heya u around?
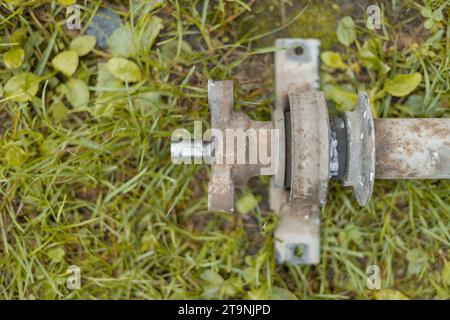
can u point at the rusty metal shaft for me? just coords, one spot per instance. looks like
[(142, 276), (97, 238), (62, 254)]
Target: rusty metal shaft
[(412, 148)]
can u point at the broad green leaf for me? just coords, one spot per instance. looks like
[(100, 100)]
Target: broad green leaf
[(105, 78), (372, 62), (77, 93), (66, 62), (22, 87), (425, 12), (247, 203), (340, 96), (428, 24), (19, 36), (147, 102), (14, 57), (128, 42), (58, 111), (148, 30), (15, 156), (437, 15), (106, 100), (389, 294), (123, 42), (346, 32), (124, 69), (83, 45), (403, 84), (56, 255), (333, 60)]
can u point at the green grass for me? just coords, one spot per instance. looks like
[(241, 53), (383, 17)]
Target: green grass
[(94, 186)]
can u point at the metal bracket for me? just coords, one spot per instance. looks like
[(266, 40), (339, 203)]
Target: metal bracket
[(300, 187)]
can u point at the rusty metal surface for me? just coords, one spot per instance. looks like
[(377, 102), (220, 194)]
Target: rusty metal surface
[(298, 194), (225, 176), (300, 223), (221, 186), (292, 69), (361, 150), (356, 150), (412, 148), (310, 145), (279, 124)]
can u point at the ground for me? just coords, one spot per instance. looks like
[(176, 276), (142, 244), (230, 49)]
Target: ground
[(86, 178)]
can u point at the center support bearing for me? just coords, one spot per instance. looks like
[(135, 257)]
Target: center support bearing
[(309, 150), (298, 234)]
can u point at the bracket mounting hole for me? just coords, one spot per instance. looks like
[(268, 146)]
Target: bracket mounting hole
[(298, 251), (298, 50)]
